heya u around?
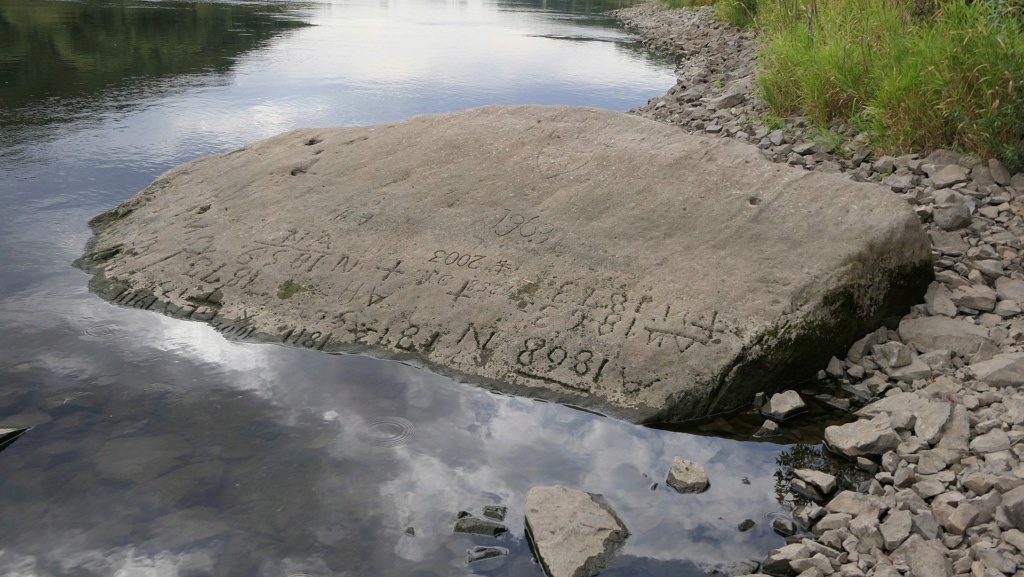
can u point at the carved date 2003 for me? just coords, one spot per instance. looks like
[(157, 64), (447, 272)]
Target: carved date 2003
[(457, 259)]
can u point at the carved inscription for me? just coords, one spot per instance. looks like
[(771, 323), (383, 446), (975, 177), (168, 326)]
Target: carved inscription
[(572, 338), (530, 228)]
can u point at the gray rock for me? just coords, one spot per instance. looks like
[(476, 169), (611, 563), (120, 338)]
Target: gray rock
[(865, 528), (948, 243), (925, 525), (894, 354), (952, 217), (931, 420), (1017, 182), (1010, 289), (575, 533), (479, 553), (1003, 370), (949, 176), (938, 333), (835, 368), (1013, 505), (768, 429), (513, 244), (961, 518), (782, 406), (496, 512), (727, 100), (784, 527), (779, 561), (1007, 309), (977, 297), (938, 300), (820, 480), (833, 521), (957, 431), (477, 526), (991, 442), (862, 437), (687, 476), (915, 371), (1000, 175), (856, 504), (928, 559)]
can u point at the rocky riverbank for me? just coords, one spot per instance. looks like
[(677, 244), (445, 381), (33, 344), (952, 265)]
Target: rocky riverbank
[(941, 412)]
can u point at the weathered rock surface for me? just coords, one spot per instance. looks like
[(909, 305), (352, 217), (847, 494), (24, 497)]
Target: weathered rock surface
[(784, 405), (574, 533), (873, 437), (687, 476), (575, 254)]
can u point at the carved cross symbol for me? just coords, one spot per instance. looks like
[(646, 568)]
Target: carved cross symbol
[(457, 295), (390, 271)]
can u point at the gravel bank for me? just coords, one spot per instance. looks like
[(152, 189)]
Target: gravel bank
[(938, 396)]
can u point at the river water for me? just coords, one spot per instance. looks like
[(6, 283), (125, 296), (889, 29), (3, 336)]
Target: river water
[(159, 448)]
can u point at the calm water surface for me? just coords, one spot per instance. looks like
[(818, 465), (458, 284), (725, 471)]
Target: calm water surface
[(160, 449)]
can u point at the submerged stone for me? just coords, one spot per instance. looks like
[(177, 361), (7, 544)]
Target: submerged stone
[(579, 255)]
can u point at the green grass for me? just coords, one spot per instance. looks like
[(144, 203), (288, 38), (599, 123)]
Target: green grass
[(673, 4), (915, 75)]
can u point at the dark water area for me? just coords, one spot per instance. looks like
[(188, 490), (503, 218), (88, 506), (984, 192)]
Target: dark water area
[(158, 448)]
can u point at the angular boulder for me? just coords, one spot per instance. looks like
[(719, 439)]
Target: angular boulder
[(574, 254), (573, 533), (687, 476)]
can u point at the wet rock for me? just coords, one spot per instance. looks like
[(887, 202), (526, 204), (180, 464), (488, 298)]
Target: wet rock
[(768, 429), (782, 406), (574, 533), (468, 286), (687, 476), (479, 553), (745, 525), (8, 435), (873, 437), (496, 512), (477, 526), (784, 527)]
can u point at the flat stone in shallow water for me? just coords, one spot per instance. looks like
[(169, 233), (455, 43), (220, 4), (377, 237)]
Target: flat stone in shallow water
[(574, 532), (580, 255)]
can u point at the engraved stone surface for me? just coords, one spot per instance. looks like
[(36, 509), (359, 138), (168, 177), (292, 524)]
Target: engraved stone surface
[(579, 255)]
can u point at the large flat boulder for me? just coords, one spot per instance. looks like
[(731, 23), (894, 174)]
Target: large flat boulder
[(579, 255)]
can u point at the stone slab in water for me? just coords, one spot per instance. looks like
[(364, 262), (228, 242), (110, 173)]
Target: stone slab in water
[(579, 255)]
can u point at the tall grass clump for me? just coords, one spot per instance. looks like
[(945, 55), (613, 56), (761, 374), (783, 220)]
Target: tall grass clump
[(915, 74), (673, 4)]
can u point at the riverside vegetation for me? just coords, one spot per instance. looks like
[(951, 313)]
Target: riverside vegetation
[(939, 393), (913, 75)]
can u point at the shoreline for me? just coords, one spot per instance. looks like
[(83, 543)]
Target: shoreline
[(938, 400)]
